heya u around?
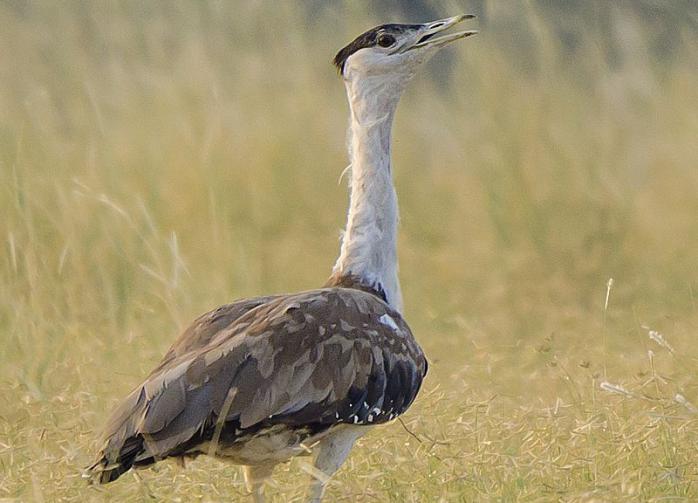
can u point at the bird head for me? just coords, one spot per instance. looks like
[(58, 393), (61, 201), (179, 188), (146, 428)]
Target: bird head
[(394, 52)]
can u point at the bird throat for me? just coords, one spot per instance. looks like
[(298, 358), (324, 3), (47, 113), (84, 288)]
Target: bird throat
[(368, 254)]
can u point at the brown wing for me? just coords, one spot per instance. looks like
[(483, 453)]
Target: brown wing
[(316, 359), (206, 326)]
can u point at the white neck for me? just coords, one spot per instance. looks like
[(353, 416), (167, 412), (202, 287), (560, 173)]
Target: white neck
[(369, 245)]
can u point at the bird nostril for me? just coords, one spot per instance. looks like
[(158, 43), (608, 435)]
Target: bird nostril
[(436, 25)]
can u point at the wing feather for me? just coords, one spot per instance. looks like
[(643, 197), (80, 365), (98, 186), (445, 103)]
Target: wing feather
[(321, 357)]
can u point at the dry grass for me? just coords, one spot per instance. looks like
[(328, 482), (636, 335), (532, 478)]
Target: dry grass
[(159, 159)]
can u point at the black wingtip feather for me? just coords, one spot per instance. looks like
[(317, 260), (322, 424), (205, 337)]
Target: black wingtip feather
[(103, 471)]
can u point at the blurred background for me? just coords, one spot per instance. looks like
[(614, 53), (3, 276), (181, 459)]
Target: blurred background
[(160, 158)]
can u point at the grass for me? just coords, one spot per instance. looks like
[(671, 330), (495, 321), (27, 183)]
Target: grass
[(160, 159)]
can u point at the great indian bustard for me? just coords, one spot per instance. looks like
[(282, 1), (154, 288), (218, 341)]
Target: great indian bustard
[(261, 380)]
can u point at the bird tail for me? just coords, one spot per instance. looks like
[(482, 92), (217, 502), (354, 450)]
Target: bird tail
[(103, 470), (122, 445)]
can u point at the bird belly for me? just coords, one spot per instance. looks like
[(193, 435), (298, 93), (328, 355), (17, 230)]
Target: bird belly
[(274, 444)]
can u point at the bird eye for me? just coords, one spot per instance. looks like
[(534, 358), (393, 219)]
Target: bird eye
[(386, 40)]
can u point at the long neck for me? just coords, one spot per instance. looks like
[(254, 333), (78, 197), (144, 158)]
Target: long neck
[(369, 246)]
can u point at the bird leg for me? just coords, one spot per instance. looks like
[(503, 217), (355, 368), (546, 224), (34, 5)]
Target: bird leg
[(254, 480), (332, 451)]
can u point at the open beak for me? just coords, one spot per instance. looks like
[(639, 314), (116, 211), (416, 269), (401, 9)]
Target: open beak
[(428, 39)]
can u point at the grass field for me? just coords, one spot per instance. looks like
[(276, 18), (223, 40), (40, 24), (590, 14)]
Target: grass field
[(160, 158)]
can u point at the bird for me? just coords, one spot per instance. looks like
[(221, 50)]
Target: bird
[(261, 380)]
